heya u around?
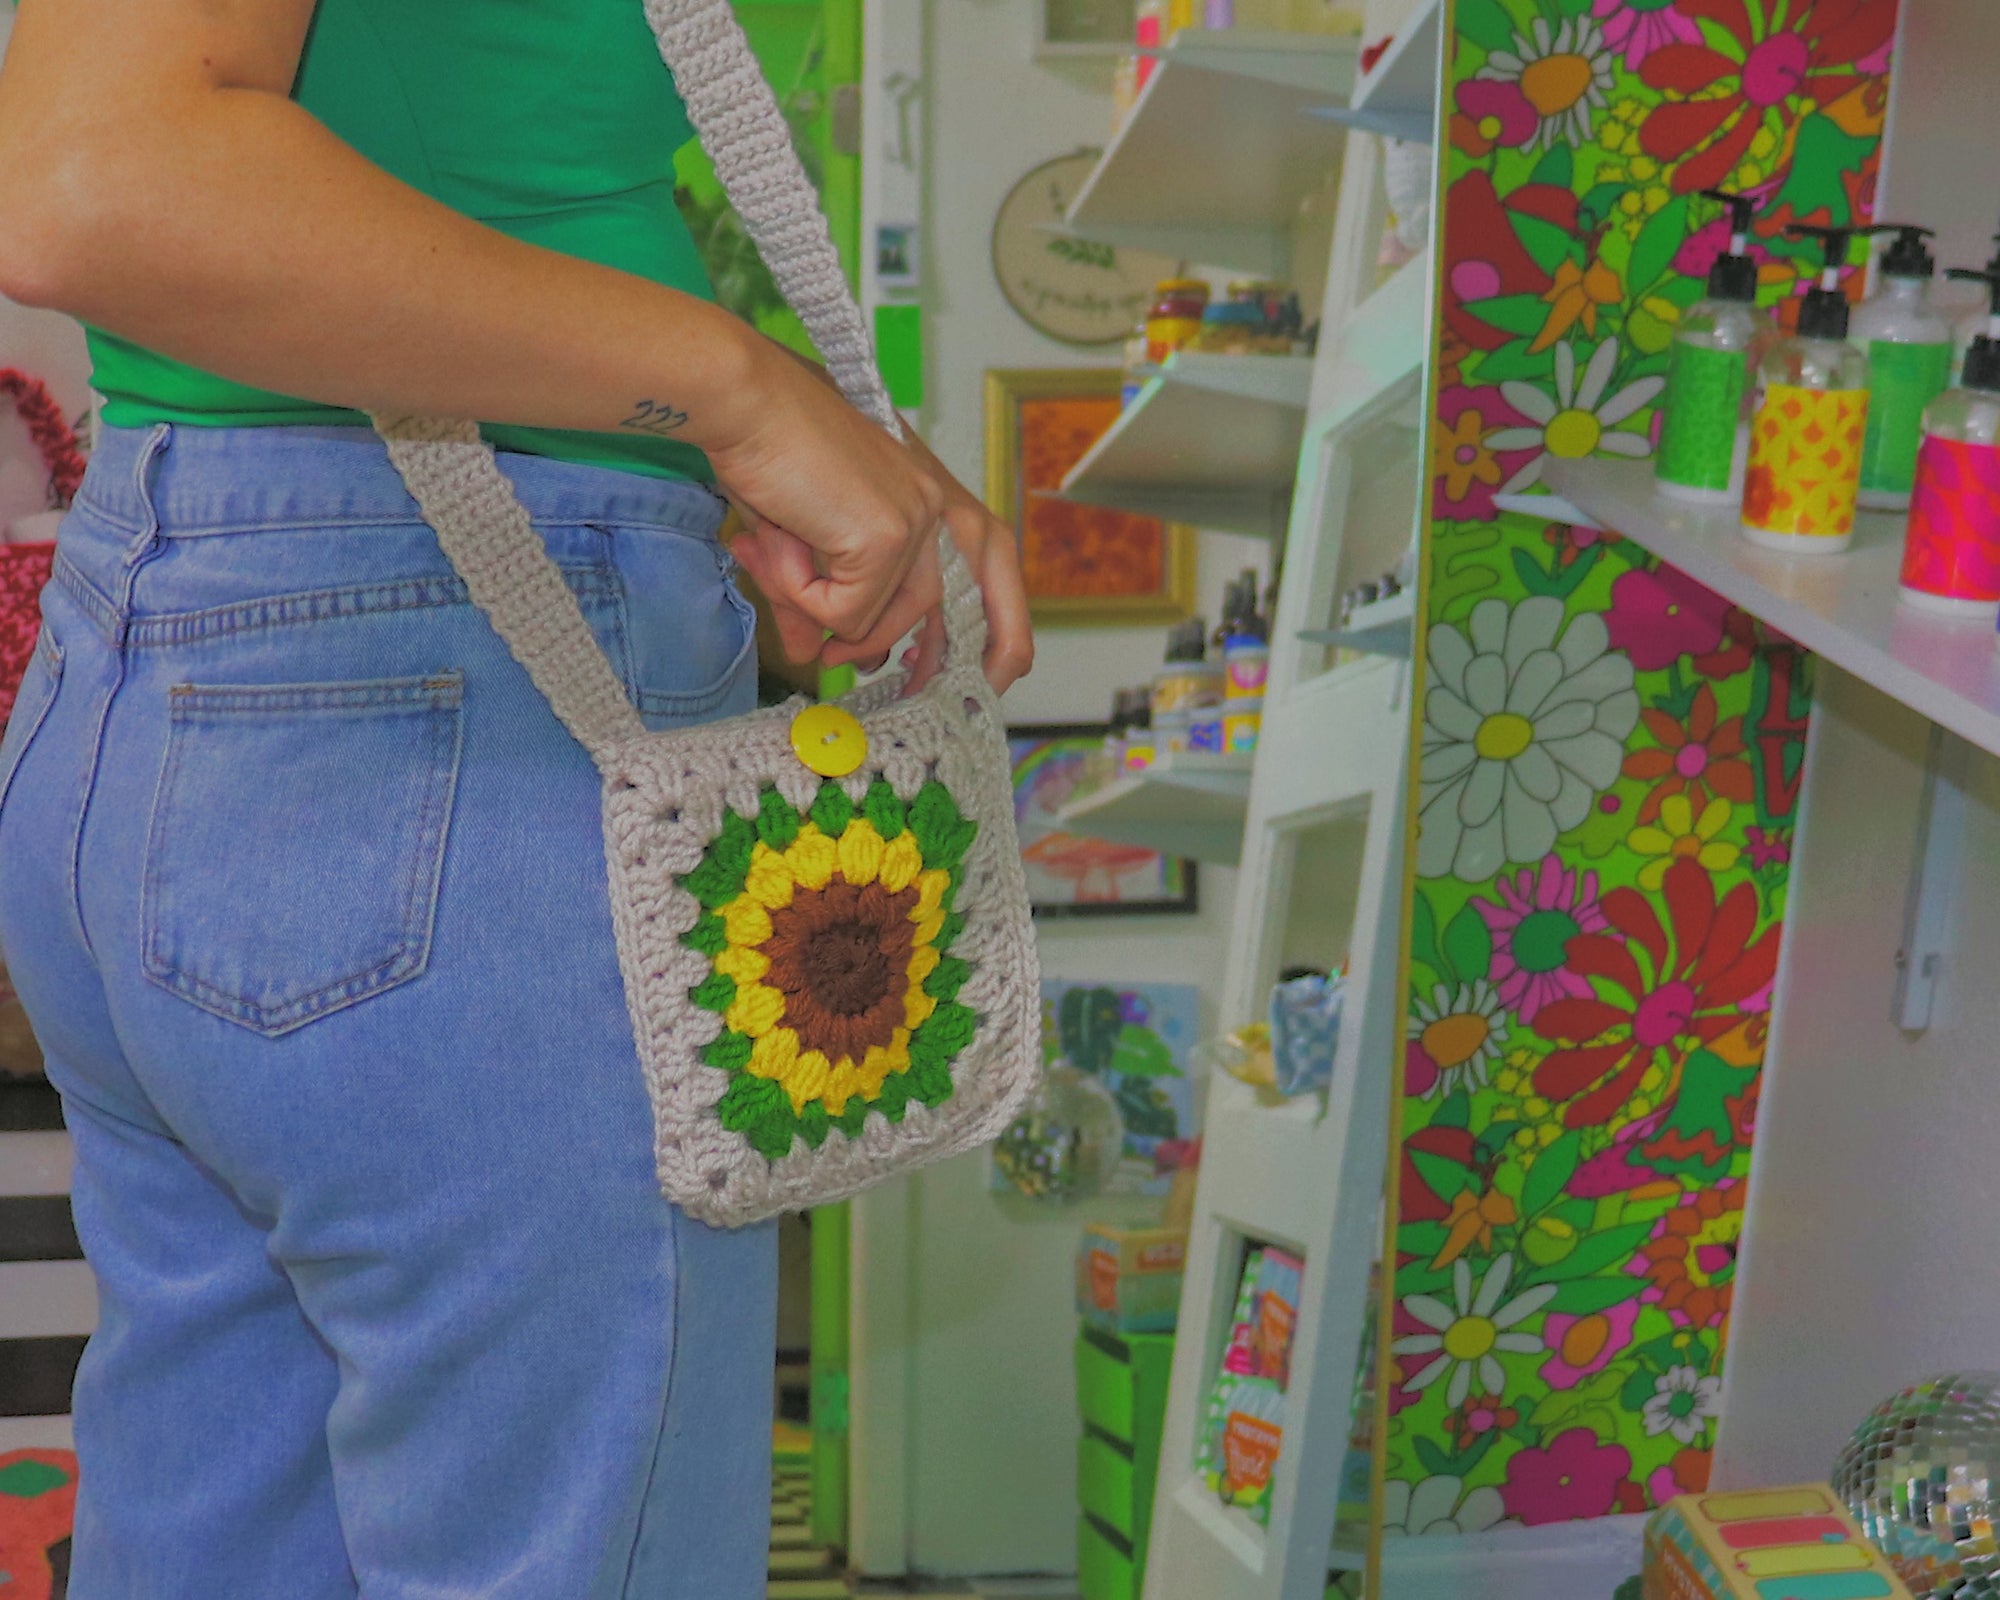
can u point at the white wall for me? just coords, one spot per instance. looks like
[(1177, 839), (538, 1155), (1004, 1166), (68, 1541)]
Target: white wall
[(964, 1420)]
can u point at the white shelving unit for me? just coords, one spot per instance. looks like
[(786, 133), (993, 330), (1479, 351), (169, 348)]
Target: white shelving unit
[(1843, 607), (1398, 95), (1211, 440), (1187, 804), (1217, 153)]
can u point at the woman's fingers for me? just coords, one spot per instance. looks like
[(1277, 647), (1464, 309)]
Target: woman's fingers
[(781, 566), (919, 592)]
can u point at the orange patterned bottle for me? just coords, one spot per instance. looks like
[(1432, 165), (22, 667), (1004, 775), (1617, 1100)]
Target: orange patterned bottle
[(1811, 419)]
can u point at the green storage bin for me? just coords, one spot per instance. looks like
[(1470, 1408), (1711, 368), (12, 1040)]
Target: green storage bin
[(1104, 1486), (1104, 1382), (1104, 1571)]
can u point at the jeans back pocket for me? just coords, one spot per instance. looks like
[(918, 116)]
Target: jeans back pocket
[(297, 838)]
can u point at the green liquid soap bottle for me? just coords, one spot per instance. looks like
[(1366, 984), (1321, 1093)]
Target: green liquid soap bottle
[(1810, 419), (1909, 351), (1705, 416)]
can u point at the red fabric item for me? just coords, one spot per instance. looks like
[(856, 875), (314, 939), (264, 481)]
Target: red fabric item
[(48, 428), (24, 568)]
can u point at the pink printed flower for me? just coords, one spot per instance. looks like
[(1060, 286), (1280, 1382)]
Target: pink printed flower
[(1573, 1477), (1582, 1346), (1639, 27), (1687, 1473), (1465, 467), (1767, 849), (1539, 911), (1659, 616)]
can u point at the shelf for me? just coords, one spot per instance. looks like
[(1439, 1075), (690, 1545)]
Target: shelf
[(1215, 156), (1212, 441), (1186, 805), (1385, 628), (1399, 97), (1547, 507), (1844, 607)]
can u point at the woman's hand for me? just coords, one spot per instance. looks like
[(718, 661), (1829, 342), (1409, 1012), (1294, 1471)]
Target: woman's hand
[(796, 492)]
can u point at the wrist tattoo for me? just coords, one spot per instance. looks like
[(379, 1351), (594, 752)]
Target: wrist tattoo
[(655, 417)]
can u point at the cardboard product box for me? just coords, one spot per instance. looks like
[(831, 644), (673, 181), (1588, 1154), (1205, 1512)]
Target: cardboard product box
[(1128, 1280), (1763, 1544)]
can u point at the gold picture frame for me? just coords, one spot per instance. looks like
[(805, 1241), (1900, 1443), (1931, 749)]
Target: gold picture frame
[(1083, 565)]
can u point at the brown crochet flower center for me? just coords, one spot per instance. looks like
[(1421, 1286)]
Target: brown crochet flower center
[(841, 955)]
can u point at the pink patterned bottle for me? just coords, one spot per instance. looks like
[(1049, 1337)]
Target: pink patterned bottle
[(1951, 554)]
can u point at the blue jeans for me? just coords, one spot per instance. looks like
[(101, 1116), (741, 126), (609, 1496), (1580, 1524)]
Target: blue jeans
[(303, 887)]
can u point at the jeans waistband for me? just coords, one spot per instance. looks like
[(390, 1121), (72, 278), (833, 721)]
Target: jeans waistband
[(186, 482)]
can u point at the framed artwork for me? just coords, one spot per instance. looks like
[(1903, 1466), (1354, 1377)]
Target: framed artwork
[(1083, 564), (1071, 875)]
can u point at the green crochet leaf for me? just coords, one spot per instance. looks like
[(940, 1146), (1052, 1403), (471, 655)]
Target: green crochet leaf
[(950, 849), (942, 1034), (777, 821), (813, 1123), (729, 1053), (708, 935), (894, 1097), (832, 811), (954, 924), (713, 884), (931, 1083), (761, 1111), (934, 818), (947, 978), (854, 1118), (881, 807), (715, 992)]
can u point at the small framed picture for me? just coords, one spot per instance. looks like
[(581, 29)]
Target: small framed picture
[(896, 260), (1070, 874), (1082, 564)]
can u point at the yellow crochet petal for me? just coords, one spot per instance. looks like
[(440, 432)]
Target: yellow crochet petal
[(928, 928), (756, 1010), (745, 922), (930, 893), (843, 1083), (916, 1006), (923, 962), (881, 1060), (860, 852), (901, 862), (775, 1054), (811, 857), (770, 881), (807, 1080), (743, 964)]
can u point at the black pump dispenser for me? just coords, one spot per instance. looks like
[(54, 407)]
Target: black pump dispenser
[(1824, 314), (1982, 361), (1734, 275), (1907, 257)]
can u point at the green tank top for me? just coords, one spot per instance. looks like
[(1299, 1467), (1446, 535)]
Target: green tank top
[(554, 121)]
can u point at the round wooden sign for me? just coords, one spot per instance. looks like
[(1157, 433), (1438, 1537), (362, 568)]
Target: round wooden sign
[(1071, 289)]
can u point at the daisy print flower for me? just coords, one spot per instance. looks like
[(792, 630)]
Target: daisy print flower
[(1524, 726), (1564, 72), (1683, 1402), (1467, 1333), (1460, 1035), (1580, 420)]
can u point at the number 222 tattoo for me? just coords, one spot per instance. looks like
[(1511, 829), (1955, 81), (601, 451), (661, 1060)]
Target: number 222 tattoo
[(655, 417)]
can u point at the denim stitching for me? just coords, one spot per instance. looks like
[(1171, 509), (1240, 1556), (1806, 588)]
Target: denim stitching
[(49, 654), (442, 692)]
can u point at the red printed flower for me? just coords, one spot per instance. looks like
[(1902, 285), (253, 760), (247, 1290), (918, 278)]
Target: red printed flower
[(1485, 259), (1659, 616), (1812, 55), (1690, 1262), (1572, 1477), (1682, 990), (1703, 759), (1491, 112)]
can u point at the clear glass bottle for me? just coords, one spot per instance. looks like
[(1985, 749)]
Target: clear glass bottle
[(1812, 409)]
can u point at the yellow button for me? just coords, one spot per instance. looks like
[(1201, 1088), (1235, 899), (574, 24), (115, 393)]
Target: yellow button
[(829, 741)]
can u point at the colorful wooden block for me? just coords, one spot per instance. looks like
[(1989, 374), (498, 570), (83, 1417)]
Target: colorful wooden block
[(1769, 1544)]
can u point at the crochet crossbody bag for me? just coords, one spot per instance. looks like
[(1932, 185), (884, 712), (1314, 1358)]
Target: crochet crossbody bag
[(821, 913)]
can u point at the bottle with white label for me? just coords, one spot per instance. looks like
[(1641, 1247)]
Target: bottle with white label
[(1909, 351)]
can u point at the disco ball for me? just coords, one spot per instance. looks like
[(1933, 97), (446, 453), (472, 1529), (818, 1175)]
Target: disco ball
[(1921, 1475), (1067, 1139)]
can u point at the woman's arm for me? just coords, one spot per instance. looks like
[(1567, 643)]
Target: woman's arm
[(156, 180)]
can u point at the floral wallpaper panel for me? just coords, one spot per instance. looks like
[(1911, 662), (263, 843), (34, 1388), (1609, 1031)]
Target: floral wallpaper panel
[(1610, 760)]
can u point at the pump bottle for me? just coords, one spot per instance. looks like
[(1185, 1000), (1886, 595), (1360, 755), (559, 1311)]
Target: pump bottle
[(1970, 326), (1705, 413), (1811, 416), (1951, 554), (1908, 347)]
